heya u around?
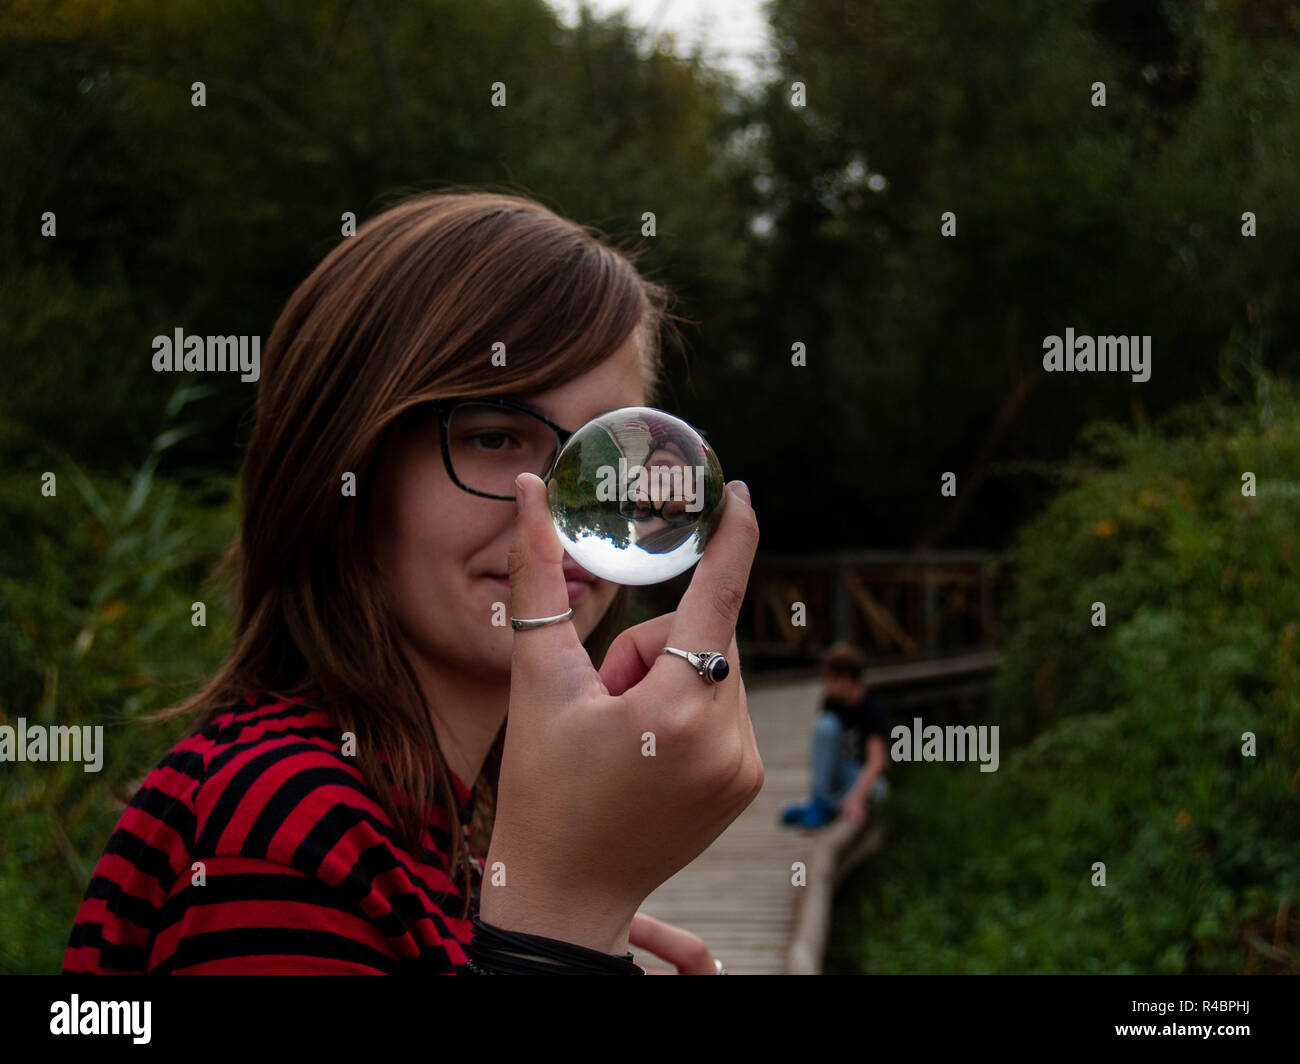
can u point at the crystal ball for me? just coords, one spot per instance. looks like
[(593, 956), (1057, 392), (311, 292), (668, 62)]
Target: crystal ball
[(635, 495)]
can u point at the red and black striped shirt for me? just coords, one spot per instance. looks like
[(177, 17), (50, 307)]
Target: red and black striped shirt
[(301, 869)]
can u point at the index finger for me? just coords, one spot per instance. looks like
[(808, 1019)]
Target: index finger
[(541, 656)]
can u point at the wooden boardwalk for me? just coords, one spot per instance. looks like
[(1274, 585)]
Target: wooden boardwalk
[(737, 895)]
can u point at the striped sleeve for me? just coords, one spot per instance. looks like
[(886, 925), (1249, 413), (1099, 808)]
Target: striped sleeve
[(241, 915), (257, 846), (144, 855), (301, 871)]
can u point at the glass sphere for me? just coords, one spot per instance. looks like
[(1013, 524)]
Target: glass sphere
[(635, 495)]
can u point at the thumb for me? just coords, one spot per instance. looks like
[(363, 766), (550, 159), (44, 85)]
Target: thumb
[(537, 590)]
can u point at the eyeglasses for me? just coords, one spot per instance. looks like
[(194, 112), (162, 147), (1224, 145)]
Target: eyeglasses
[(488, 442), (673, 512)]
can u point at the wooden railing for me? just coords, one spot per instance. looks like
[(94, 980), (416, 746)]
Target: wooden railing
[(894, 605)]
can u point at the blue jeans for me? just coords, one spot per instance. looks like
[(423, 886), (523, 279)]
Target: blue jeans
[(832, 773)]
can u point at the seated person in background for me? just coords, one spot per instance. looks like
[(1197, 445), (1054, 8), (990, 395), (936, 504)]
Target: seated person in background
[(848, 745)]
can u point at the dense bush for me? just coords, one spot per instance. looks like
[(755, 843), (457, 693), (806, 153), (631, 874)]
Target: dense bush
[(96, 588), (1138, 758)]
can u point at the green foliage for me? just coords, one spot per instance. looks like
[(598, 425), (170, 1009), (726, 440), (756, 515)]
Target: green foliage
[(207, 218), (96, 589), (1101, 218), (1137, 759), (1117, 219)]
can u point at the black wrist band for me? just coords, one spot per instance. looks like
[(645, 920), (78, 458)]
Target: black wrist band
[(516, 952), (496, 951)]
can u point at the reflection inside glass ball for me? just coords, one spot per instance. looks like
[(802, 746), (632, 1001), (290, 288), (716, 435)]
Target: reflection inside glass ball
[(635, 495)]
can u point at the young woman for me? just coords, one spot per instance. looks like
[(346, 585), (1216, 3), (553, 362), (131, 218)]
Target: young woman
[(377, 730)]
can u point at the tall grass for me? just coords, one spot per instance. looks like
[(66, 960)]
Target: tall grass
[(97, 585)]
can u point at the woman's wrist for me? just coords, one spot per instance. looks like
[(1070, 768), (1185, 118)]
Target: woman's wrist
[(598, 926)]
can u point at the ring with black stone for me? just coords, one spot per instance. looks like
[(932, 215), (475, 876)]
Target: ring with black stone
[(711, 665)]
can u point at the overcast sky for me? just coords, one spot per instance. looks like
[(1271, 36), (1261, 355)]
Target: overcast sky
[(732, 30)]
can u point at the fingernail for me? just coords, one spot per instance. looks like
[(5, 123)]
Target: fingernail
[(741, 490), (519, 497)]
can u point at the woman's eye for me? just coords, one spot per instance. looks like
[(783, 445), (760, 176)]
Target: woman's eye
[(491, 441)]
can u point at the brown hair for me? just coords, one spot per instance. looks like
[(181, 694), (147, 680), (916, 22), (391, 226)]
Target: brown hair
[(843, 659), (405, 311)]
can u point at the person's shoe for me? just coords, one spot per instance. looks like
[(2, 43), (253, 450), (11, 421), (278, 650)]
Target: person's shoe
[(794, 812), (819, 813), (814, 813)]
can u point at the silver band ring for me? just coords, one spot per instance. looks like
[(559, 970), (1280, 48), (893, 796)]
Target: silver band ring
[(519, 623), (718, 965), (711, 665)]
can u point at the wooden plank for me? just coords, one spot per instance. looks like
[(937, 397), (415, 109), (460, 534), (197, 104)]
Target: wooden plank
[(737, 895)]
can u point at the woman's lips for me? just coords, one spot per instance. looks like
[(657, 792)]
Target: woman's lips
[(575, 588)]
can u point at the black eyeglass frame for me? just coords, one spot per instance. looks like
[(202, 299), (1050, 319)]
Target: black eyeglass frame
[(444, 408), (656, 511)]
